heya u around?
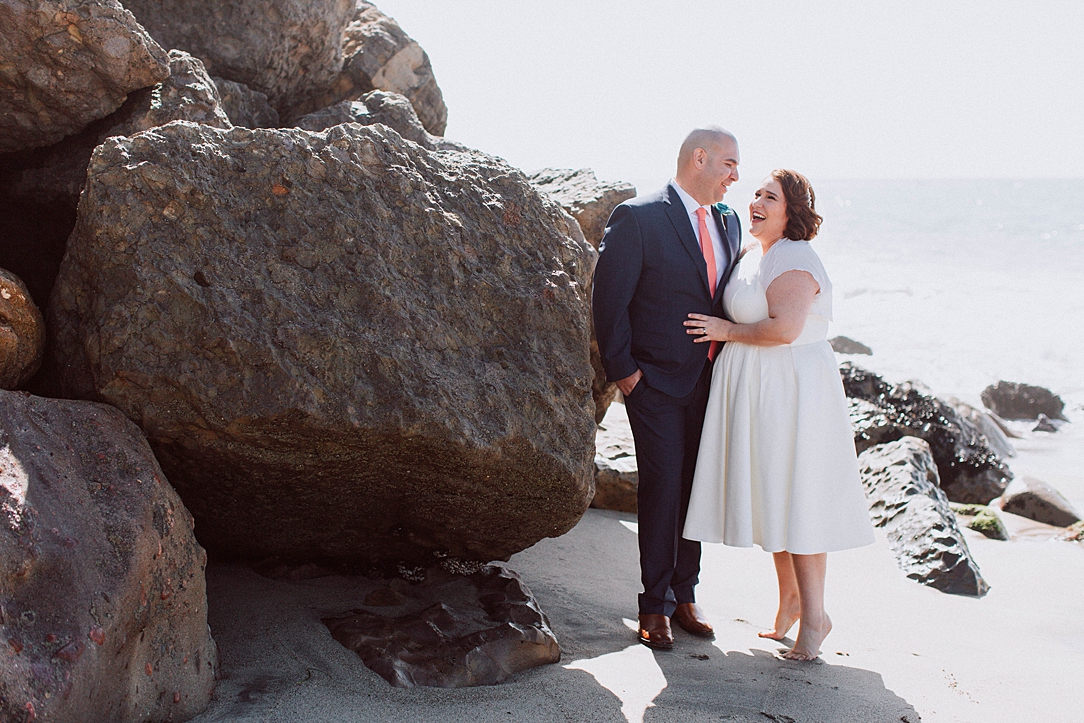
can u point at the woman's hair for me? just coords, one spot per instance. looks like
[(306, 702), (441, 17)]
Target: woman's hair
[(803, 221)]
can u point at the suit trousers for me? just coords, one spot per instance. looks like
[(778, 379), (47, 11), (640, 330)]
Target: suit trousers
[(666, 431)]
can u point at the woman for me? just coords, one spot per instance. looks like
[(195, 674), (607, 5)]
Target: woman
[(777, 464)]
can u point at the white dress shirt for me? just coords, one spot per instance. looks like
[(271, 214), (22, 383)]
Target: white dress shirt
[(713, 229)]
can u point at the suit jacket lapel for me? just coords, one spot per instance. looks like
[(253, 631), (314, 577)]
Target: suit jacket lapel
[(675, 209), (723, 225)]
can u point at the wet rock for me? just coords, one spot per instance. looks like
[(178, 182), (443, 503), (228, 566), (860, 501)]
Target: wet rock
[(377, 353), (244, 106), (905, 498), (843, 345), (616, 474), (474, 630), (64, 64), (991, 427), (969, 470), (22, 333), (290, 50), (1036, 500), (378, 106), (981, 518), (378, 55), (1044, 425), (103, 606), (1022, 401), (588, 200)]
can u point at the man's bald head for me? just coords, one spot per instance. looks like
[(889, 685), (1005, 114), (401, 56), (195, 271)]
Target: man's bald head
[(708, 163)]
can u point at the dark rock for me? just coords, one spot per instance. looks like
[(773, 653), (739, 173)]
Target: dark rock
[(982, 518), (22, 333), (103, 606), (378, 106), (843, 345), (32, 241), (246, 107), (378, 352), (991, 427), (906, 499), (290, 50), (1044, 425), (1022, 401), (1036, 500), (64, 64), (475, 630), (616, 473), (970, 471), (378, 55), (580, 193)]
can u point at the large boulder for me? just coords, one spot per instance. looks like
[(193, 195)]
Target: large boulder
[(289, 49), (66, 63), (988, 424), (244, 106), (341, 346), (616, 473), (1036, 500), (904, 496), (969, 470), (103, 605), (22, 333), (1012, 400), (378, 106)]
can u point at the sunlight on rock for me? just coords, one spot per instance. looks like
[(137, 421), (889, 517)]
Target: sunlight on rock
[(631, 674)]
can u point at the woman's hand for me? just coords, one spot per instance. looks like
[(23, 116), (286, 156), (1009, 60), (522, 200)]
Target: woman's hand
[(708, 328)]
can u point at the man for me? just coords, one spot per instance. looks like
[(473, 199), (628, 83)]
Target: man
[(664, 256)]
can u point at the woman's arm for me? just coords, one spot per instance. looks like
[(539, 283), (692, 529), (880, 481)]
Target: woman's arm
[(790, 296)]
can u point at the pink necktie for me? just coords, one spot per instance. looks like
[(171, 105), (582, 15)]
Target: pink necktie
[(708, 249)]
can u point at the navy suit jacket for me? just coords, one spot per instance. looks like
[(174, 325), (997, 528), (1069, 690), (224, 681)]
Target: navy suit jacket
[(650, 275)]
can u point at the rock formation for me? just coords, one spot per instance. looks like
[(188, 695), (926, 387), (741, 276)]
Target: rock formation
[(1022, 401), (969, 470), (988, 424), (1036, 500), (378, 106), (341, 346), (981, 518), (244, 106), (844, 345), (906, 499), (103, 607), (471, 630), (22, 333), (616, 473), (64, 64)]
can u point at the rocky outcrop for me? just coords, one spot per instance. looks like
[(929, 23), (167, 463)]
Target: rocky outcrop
[(969, 470), (988, 424), (391, 109), (616, 473), (289, 49), (905, 498), (64, 64), (588, 200), (1022, 401), (376, 353), (478, 629), (22, 333), (1036, 500), (102, 603), (244, 106), (844, 345)]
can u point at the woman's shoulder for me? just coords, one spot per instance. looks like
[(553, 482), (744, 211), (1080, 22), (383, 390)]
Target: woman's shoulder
[(788, 255)]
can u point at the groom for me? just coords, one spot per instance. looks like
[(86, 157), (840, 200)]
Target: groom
[(664, 256)]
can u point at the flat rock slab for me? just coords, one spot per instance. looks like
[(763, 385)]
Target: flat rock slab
[(906, 500), (1036, 500), (478, 629), (103, 607), (64, 64), (341, 346), (1012, 400), (22, 332), (616, 473), (969, 470)]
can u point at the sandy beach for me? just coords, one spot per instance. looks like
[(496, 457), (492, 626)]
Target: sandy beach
[(899, 651)]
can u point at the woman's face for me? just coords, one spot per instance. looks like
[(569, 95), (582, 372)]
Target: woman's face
[(768, 211)]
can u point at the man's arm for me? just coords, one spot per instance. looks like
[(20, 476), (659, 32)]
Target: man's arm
[(617, 274)]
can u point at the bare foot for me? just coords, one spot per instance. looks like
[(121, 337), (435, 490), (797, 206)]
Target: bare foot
[(810, 637), (785, 618)]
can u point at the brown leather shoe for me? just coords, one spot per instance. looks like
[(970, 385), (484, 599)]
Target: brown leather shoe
[(655, 631), (691, 619)]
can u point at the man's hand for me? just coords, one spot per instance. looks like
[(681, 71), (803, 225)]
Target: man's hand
[(629, 383)]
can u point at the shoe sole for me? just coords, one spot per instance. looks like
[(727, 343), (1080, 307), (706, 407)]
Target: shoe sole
[(652, 644)]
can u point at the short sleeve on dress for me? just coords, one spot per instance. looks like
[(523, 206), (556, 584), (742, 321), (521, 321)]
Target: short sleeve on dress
[(787, 255)]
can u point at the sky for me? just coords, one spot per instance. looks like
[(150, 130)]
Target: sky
[(837, 89)]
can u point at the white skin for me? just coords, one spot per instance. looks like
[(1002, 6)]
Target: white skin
[(707, 165), (790, 296)]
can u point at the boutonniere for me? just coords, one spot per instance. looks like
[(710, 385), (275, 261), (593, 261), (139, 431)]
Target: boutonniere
[(722, 208)]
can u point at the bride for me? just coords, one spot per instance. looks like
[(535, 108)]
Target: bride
[(777, 464)]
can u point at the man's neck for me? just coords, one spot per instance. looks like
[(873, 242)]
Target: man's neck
[(685, 187)]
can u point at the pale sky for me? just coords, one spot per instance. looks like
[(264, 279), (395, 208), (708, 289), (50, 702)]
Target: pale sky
[(838, 90)]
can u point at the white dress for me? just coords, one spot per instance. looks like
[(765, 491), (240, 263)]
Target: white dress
[(777, 464)]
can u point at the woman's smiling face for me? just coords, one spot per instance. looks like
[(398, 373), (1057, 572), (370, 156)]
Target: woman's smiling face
[(768, 211)]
